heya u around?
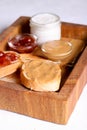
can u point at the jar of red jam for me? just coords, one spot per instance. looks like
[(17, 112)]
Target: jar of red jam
[(23, 43)]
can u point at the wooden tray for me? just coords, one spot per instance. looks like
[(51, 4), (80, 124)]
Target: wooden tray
[(49, 106)]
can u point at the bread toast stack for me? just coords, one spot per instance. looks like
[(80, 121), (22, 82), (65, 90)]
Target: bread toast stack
[(36, 73)]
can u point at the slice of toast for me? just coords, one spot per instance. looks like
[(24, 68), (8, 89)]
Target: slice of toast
[(41, 75), (12, 67)]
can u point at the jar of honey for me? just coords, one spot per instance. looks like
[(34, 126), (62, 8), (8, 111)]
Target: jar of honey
[(46, 27), (57, 50)]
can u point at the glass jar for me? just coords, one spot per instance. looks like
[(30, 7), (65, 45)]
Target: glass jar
[(23, 43), (57, 50), (46, 27)]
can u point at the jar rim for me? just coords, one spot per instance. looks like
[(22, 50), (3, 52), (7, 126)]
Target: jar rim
[(35, 22), (51, 45)]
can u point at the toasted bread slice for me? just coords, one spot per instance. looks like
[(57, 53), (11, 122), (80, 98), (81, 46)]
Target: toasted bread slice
[(29, 56), (10, 68), (41, 75)]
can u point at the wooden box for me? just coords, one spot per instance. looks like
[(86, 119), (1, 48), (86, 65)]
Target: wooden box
[(49, 106)]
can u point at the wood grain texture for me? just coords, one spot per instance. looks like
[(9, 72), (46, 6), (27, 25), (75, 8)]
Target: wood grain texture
[(50, 106), (75, 31)]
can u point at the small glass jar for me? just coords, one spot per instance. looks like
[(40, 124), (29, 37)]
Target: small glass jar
[(46, 27), (57, 50), (23, 43)]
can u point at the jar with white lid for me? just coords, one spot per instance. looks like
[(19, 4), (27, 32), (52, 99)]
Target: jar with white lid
[(46, 27)]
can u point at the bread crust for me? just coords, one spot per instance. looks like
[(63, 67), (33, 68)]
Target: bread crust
[(9, 69)]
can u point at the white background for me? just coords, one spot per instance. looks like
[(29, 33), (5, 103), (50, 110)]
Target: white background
[(74, 11)]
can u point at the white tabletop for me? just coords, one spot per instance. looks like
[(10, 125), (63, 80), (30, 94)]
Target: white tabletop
[(74, 11)]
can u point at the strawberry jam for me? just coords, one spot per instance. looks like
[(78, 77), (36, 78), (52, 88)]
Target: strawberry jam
[(23, 43), (7, 58)]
